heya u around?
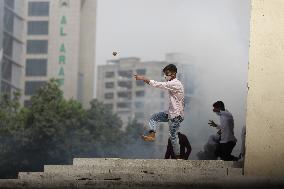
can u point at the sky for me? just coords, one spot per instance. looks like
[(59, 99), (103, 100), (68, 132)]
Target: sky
[(213, 34)]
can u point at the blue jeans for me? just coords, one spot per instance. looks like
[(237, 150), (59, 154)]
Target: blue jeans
[(174, 125)]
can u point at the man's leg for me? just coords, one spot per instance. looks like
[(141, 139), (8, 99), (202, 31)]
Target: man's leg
[(218, 150), (174, 125), (227, 150), (231, 146), (153, 123)]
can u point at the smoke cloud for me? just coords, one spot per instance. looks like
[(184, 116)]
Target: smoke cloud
[(214, 35)]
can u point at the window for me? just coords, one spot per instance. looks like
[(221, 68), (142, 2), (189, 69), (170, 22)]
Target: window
[(6, 69), (16, 75), (125, 73), (125, 84), (140, 93), (109, 96), (36, 67), (141, 71), (162, 94), (18, 28), (109, 74), (109, 85), (38, 9), (109, 106), (124, 95), (31, 87), (37, 46), (8, 21), (140, 83), (37, 27), (17, 51), (8, 45), (139, 104), (123, 105), (10, 3), (5, 88)]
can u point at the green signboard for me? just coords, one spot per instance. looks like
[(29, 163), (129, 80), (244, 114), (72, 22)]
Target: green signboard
[(62, 51)]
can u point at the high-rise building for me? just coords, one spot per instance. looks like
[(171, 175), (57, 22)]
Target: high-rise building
[(131, 99), (11, 45), (60, 44)]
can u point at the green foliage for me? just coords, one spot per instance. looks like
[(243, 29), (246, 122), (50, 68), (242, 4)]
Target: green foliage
[(51, 121), (8, 111), (11, 121), (134, 130), (105, 129), (54, 131)]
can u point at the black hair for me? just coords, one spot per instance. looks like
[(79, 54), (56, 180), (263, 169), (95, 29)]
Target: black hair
[(219, 104), (171, 67)]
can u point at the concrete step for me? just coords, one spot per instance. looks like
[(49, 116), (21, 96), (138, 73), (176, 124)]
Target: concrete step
[(238, 182), (124, 177), (155, 163), (127, 173), (94, 184), (235, 171), (95, 169)]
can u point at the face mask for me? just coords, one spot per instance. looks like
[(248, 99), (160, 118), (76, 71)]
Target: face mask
[(218, 113), (168, 78)]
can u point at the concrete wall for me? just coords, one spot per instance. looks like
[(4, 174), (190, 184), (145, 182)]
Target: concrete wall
[(1, 38), (87, 52), (59, 33), (72, 32), (17, 43), (265, 103), (70, 37)]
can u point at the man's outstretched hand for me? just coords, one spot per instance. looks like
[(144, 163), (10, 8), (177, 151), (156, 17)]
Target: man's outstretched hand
[(140, 77), (212, 123)]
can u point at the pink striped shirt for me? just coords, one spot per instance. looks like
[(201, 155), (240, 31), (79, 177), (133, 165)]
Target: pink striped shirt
[(176, 96)]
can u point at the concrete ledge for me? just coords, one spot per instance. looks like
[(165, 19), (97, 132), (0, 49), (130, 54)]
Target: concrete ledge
[(124, 177), (189, 171), (133, 173), (201, 183), (153, 162)]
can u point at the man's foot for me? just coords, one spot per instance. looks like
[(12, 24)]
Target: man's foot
[(150, 137), (241, 157)]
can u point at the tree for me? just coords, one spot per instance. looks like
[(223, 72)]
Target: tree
[(11, 124), (54, 131), (51, 121), (105, 129)]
